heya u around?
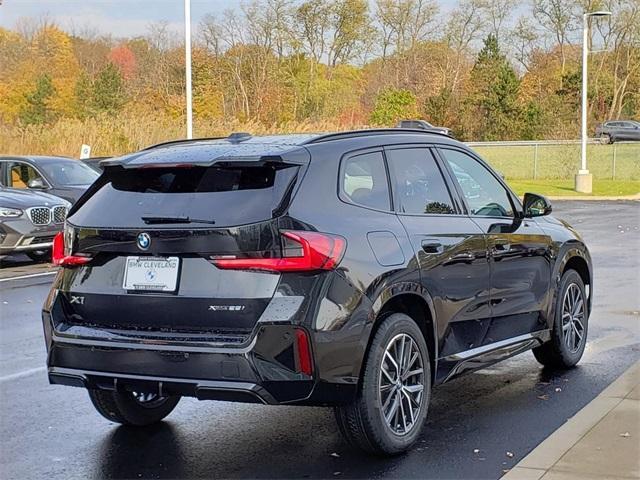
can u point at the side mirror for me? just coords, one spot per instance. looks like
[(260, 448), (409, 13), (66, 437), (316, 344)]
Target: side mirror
[(536, 205), (37, 184)]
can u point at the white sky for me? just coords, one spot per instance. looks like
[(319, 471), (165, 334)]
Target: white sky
[(120, 18)]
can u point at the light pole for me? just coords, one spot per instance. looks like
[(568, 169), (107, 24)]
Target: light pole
[(187, 61), (584, 180)]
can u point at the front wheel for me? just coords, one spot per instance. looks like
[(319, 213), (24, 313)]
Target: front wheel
[(389, 412), (132, 408), (569, 332)]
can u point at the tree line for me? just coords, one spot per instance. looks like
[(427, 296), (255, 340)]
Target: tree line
[(488, 69)]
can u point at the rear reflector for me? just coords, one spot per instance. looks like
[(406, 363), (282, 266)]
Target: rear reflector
[(302, 251), (59, 257), (305, 363)]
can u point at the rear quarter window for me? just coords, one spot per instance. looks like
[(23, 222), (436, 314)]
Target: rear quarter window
[(363, 181)]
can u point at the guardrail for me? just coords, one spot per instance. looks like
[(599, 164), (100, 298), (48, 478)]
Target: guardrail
[(560, 159)]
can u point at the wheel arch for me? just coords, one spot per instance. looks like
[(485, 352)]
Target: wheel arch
[(415, 302), (577, 259), (572, 257)]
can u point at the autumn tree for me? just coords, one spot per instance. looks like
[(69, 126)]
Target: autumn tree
[(123, 58), (350, 30), (393, 105), (327, 64), (558, 19), (405, 23)]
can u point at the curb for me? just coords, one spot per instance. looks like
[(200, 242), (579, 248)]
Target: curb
[(595, 198), (542, 458)]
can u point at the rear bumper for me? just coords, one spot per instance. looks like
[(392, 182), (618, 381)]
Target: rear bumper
[(263, 368)]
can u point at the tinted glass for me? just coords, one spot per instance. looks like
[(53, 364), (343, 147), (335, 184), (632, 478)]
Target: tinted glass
[(419, 185), (485, 195), (69, 172), (20, 174), (364, 181), (229, 196)]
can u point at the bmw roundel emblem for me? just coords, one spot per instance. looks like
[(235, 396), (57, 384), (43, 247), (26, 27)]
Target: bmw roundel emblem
[(144, 241)]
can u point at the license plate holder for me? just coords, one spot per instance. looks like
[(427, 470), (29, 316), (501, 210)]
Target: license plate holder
[(151, 274)]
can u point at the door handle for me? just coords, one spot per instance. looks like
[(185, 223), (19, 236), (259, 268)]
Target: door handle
[(462, 257), (431, 246)]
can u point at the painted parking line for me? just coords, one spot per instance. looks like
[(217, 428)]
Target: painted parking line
[(25, 373), (22, 277)]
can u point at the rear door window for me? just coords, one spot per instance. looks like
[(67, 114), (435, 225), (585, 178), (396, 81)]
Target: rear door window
[(364, 181), (228, 195), (419, 186)]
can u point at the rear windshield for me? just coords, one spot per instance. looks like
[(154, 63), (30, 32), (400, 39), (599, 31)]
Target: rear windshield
[(219, 195)]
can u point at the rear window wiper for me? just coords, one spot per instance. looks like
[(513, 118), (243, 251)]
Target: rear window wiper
[(159, 220)]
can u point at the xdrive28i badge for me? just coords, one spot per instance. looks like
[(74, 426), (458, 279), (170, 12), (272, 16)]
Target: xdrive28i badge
[(144, 241)]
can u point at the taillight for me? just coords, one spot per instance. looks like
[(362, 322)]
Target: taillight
[(301, 251), (305, 362), (61, 257)]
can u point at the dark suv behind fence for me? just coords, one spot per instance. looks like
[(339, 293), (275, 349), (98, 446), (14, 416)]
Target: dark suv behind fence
[(354, 270)]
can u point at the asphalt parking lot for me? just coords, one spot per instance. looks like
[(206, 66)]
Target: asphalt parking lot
[(478, 426)]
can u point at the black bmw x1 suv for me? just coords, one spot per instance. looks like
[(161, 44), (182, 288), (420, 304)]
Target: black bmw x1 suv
[(354, 270)]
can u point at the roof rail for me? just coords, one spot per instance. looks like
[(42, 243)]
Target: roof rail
[(182, 140), (374, 131)]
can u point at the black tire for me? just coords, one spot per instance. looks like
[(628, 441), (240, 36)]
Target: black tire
[(125, 408), (560, 352), (39, 255), (362, 422)]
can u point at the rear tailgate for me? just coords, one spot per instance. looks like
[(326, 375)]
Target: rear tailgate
[(152, 234)]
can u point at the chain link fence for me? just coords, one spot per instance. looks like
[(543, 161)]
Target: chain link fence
[(560, 160)]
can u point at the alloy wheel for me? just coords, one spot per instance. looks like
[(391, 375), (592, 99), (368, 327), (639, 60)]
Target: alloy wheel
[(401, 384), (148, 400), (573, 318)]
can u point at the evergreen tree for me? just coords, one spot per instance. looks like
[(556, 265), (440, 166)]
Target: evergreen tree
[(84, 96), (494, 95), (108, 90), (37, 111)]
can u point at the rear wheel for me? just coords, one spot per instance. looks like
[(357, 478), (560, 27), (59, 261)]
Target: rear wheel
[(569, 332), (388, 415), (132, 408)]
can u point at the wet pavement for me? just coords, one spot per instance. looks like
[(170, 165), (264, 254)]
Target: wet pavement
[(478, 426)]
